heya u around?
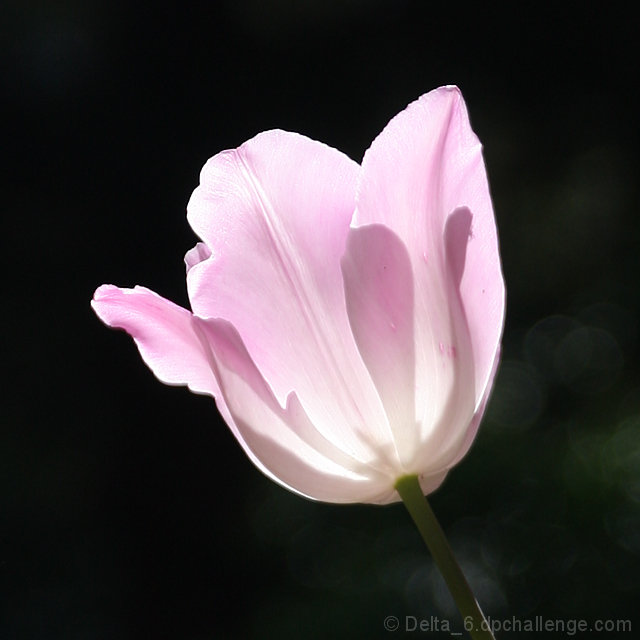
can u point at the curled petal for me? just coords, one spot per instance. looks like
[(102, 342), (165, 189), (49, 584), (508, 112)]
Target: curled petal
[(163, 333), (195, 256), (169, 342)]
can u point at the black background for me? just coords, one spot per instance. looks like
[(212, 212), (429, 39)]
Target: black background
[(126, 508)]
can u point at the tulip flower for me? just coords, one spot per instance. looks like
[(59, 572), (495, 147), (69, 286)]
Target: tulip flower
[(346, 318)]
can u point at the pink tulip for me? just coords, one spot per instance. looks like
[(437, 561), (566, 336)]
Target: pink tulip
[(346, 318)]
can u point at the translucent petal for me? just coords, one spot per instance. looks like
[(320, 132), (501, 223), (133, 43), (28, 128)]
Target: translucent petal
[(285, 441), (425, 164), (275, 215)]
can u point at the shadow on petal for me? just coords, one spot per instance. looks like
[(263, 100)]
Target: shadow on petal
[(457, 232)]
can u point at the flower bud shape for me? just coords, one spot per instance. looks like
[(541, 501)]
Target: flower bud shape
[(346, 318)]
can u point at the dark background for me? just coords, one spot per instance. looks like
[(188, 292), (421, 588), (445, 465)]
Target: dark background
[(127, 510)]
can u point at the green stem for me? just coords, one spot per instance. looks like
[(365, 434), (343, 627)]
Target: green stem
[(474, 622)]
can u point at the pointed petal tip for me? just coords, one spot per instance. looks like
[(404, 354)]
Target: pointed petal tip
[(448, 92), (447, 88)]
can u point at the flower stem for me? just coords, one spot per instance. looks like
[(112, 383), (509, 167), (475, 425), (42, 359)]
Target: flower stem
[(418, 507)]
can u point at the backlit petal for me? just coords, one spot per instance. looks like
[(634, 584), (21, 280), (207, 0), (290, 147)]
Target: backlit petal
[(288, 445), (346, 319), (379, 295), (196, 255), (163, 333), (425, 164), (169, 342), (275, 214), (478, 415)]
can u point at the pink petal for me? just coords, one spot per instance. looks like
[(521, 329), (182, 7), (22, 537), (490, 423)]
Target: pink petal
[(379, 296), (288, 446), (275, 214), (458, 423), (166, 337), (195, 256), (424, 165), (419, 357), (163, 333), (169, 341), (478, 415)]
